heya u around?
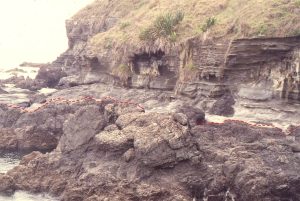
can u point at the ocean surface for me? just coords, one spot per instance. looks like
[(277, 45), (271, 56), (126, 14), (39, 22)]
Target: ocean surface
[(30, 72)]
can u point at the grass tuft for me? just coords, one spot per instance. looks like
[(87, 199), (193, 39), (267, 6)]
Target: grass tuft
[(165, 26), (211, 21), (124, 25)]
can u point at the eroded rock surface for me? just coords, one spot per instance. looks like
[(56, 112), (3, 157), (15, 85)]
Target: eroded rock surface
[(150, 156), (81, 127), (38, 129)]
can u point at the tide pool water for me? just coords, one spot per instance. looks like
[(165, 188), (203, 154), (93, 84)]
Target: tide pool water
[(14, 95), (24, 196), (8, 161)]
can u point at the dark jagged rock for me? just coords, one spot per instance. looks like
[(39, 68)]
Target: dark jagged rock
[(30, 84), (50, 75), (194, 115), (8, 140), (152, 157), (7, 185), (24, 104), (81, 127), (38, 98), (8, 116), (13, 80), (39, 130), (295, 147), (181, 118), (223, 106)]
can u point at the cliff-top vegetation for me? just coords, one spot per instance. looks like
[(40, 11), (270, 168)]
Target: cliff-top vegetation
[(213, 18)]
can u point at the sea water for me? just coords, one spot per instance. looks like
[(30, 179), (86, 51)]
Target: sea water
[(29, 72)]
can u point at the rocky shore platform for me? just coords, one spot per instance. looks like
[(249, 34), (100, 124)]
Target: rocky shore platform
[(90, 145)]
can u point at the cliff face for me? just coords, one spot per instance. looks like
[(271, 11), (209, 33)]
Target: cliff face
[(104, 47), (270, 64), (203, 64)]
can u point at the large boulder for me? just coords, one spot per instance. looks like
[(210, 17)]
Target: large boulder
[(50, 75), (8, 140), (81, 127), (223, 106), (7, 186), (33, 130), (31, 84), (194, 115), (42, 129), (69, 81), (38, 98), (8, 116)]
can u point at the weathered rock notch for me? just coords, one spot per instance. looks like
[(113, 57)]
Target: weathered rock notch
[(153, 70)]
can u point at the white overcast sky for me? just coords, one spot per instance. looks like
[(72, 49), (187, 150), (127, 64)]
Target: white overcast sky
[(34, 30)]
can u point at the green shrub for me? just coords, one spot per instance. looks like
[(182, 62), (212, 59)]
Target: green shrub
[(211, 21), (297, 3), (165, 26)]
